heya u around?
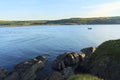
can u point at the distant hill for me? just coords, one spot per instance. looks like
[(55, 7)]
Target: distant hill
[(71, 21)]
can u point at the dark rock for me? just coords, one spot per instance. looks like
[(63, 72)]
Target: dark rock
[(42, 58), (82, 68), (88, 51), (61, 75), (27, 70), (12, 76), (3, 73), (66, 72), (55, 76), (66, 60)]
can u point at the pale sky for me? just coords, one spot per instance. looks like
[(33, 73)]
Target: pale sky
[(57, 9)]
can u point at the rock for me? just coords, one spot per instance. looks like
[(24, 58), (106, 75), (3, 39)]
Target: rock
[(66, 72), (55, 76), (88, 51), (12, 76), (27, 70), (66, 60), (41, 58), (3, 73), (61, 75), (83, 55)]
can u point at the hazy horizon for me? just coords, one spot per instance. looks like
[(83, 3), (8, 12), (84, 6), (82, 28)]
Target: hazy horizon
[(54, 10)]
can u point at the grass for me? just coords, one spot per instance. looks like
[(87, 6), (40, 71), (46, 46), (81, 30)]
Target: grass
[(83, 77)]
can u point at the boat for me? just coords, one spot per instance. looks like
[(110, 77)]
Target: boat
[(89, 28)]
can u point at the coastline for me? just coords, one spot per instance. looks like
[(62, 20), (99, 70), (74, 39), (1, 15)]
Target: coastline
[(90, 62), (13, 26), (38, 64), (68, 21)]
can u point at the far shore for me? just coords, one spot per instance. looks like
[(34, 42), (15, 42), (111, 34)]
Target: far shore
[(12, 26), (69, 21)]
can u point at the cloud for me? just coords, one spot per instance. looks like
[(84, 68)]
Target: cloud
[(104, 9)]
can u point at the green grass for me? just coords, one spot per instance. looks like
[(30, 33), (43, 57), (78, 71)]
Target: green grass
[(83, 77)]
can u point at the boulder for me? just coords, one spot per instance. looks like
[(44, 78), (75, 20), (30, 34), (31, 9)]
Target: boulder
[(55, 76), (41, 58), (66, 72), (67, 59), (61, 75), (12, 76), (27, 70), (88, 51), (3, 73)]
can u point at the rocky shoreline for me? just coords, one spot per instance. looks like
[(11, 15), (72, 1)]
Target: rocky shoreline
[(25, 70), (100, 62), (63, 66)]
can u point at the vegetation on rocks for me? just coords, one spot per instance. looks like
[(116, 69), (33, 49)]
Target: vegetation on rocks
[(105, 62), (83, 77)]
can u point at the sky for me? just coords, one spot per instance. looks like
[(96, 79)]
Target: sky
[(57, 9)]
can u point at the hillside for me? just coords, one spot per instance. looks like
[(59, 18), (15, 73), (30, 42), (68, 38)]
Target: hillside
[(71, 21), (105, 62)]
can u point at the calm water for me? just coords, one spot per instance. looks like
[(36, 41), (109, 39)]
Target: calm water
[(22, 43)]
